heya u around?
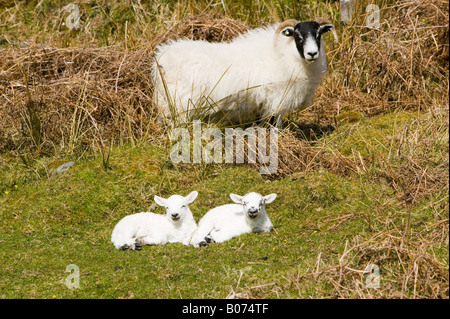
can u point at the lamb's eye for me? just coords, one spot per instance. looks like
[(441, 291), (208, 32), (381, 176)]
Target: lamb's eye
[(184, 206)]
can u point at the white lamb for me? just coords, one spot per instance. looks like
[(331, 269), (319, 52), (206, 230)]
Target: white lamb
[(265, 72), (228, 221), (177, 225)]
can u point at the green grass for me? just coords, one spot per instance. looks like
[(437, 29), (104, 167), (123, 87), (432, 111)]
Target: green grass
[(49, 221)]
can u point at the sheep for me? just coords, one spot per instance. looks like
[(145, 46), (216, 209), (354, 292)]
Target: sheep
[(228, 221), (264, 73), (146, 228)]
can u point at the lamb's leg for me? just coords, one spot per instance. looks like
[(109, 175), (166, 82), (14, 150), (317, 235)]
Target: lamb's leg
[(199, 238), (135, 246), (208, 240), (151, 240), (219, 237)]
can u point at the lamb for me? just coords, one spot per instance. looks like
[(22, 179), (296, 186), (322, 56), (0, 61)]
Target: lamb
[(228, 221), (263, 73), (146, 228)]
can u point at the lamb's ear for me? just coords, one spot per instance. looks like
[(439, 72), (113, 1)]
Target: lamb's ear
[(160, 201), (324, 29), (270, 198), (191, 197), (236, 198), (288, 32)]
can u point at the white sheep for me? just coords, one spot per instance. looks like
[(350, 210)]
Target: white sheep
[(265, 72), (228, 221), (177, 225)]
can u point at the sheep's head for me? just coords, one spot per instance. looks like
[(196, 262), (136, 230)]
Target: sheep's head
[(306, 35), (177, 206), (253, 203)]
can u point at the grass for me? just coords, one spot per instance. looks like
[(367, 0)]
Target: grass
[(362, 179), (52, 220)]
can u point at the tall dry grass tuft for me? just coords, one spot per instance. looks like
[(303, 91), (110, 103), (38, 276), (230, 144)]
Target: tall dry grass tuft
[(403, 64), (81, 96), (90, 97)]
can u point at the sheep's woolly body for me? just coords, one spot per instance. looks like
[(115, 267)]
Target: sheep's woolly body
[(249, 78), (228, 221), (150, 229), (153, 229)]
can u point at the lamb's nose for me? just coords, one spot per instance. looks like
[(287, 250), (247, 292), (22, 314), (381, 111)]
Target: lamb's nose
[(175, 215), (312, 54)]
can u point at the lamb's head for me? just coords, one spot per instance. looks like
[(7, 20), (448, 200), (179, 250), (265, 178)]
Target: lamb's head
[(253, 203), (177, 207), (307, 37)]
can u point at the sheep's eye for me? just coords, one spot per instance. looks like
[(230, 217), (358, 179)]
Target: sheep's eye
[(184, 206)]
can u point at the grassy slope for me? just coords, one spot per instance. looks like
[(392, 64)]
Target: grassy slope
[(50, 221)]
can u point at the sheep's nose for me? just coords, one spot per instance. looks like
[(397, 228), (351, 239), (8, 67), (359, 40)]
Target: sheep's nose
[(312, 54), (253, 212), (175, 216)]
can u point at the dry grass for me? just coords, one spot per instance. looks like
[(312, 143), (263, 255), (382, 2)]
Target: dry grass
[(81, 96), (209, 27), (84, 97), (405, 269)]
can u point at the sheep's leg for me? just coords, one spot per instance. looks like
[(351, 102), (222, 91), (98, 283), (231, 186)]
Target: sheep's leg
[(273, 121), (151, 240), (209, 239), (219, 237), (278, 123), (199, 238), (135, 246)]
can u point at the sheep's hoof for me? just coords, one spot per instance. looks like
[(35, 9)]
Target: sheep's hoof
[(209, 240), (137, 246), (125, 247), (203, 244)]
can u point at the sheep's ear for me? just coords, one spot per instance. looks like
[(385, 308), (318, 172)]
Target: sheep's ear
[(288, 32), (236, 198), (191, 197), (160, 201), (270, 198), (324, 29)]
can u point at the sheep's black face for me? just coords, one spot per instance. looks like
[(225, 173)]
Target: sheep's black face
[(307, 36)]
